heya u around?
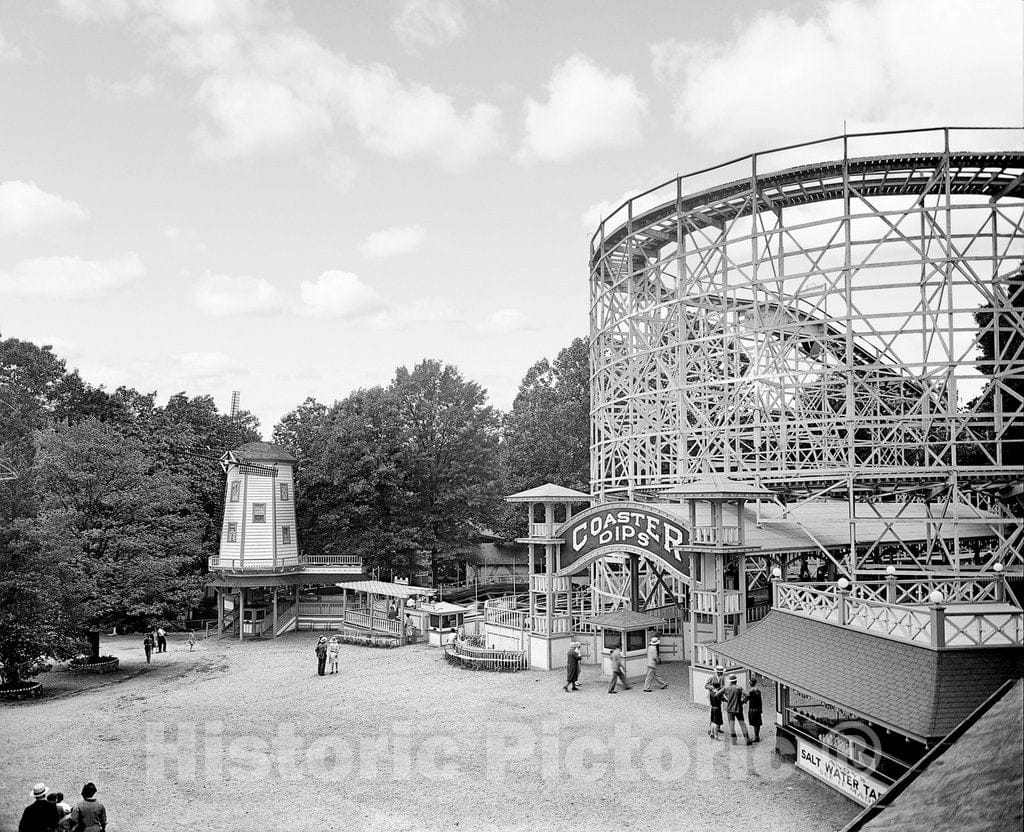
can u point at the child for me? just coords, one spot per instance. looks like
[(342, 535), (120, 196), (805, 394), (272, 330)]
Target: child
[(64, 821), (332, 654), (715, 699), (191, 640)]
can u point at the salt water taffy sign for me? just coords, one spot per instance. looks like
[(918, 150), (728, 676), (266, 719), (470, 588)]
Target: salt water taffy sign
[(624, 527), (841, 776)]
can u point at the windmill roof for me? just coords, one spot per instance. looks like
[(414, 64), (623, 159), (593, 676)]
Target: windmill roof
[(263, 452), (548, 491)]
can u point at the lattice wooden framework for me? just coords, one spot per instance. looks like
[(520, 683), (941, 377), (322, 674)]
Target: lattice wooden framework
[(813, 326)]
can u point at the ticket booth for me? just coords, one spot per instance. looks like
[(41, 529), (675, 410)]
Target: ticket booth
[(630, 632), (253, 620), (440, 618)]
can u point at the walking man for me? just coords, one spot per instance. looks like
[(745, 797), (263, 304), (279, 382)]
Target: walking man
[(652, 667), (321, 656), (572, 667), (734, 698), (40, 813), (754, 709), (161, 640), (147, 645), (618, 671)]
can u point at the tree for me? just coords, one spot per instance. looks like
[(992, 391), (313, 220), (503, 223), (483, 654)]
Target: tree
[(547, 433), (120, 531), (393, 473), (450, 458)]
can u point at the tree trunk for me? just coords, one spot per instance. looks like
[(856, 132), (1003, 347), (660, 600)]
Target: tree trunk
[(94, 644)]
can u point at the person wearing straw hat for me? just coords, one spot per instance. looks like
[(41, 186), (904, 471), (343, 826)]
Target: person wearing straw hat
[(40, 814), (734, 697), (718, 678), (89, 815), (652, 667)]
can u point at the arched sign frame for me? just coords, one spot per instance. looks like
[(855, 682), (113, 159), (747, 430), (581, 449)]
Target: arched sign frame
[(660, 555)]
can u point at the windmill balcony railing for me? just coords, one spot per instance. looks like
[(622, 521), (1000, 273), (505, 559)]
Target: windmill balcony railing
[(557, 583), (972, 619), (705, 602), (351, 561), (282, 563)]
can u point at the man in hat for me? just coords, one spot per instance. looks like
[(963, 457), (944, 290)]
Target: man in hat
[(572, 667), (734, 697), (717, 679), (652, 667), (40, 814), (618, 670), (89, 815), (321, 656)]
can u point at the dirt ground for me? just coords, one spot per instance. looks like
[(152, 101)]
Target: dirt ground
[(247, 736)]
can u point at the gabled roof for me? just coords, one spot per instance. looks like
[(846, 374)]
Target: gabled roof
[(719, 485), (549, 491), (914, 690), (263, 452), (625, 620), (980, 779)]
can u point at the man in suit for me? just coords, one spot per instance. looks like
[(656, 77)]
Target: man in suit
[(572, 667), (652, 667), (321, 656), (734, 697), (618, 671)]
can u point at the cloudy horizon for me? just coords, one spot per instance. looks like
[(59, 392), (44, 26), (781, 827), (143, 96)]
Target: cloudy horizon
[(294, 199)]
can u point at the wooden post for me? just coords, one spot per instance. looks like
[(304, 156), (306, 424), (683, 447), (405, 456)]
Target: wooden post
[(634, 582), (241, 612), (273, 630), (938, 612), (890, 589), (693, 614), (841, 595), (220, 610), (741, 585)]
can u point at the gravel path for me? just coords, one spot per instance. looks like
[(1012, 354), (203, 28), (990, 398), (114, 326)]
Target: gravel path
[(244, 736)]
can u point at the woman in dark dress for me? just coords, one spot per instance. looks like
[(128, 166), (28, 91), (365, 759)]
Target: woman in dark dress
[(715, 700), (754, 709), (572, 667)]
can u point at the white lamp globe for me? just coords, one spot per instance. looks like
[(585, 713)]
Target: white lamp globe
[(936, 597), (842, 583), (776, 573), (890, 570), (997, 568)]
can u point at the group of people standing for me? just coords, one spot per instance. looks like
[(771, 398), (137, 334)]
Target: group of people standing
[(727, 693), (49, 813), (327, 655), (157, 639)]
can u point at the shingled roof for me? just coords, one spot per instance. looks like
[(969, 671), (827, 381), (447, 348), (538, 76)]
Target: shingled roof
[(911, 689), (263, 452)]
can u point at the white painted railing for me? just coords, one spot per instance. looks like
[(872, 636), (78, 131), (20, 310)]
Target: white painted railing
[(704, 656), (559, 624), (558, 583), (705, 602), (542, 529), (353, 561), (708, 535), (983, 629)]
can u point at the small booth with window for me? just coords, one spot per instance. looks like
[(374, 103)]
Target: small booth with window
[(440, 619), (253, 620), (630, 632)]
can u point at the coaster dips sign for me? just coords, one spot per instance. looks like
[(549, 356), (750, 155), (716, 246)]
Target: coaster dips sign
[(626, 527)]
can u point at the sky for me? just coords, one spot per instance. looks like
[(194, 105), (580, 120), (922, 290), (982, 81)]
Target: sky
[(293, 199)]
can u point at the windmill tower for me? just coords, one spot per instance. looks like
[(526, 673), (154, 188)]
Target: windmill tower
[(258, 531)]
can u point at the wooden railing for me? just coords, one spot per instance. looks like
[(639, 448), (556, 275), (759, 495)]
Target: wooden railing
[(927, 624), (333, 560), (706, 657), (558, 583), (543, 529), (706, 602), (709, 536), (559, 624), (464, 654), (500, 617)]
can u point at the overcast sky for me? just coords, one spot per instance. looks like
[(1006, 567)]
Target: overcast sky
[(292, 199)]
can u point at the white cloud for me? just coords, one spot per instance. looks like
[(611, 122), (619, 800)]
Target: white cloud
[(876, 64), (25, 208), (429, 23), (389, 242), (70, 278), (337, 294), (205, 366), (264, 84), (8, 51), (430, 311), (504, 322), (222, 295), (144, 86), (588, 108)]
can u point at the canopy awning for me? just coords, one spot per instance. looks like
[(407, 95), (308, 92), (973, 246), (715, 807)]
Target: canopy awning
[(388, 589)]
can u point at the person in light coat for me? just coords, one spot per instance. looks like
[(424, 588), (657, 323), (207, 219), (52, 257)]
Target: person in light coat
[(652, 667)]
